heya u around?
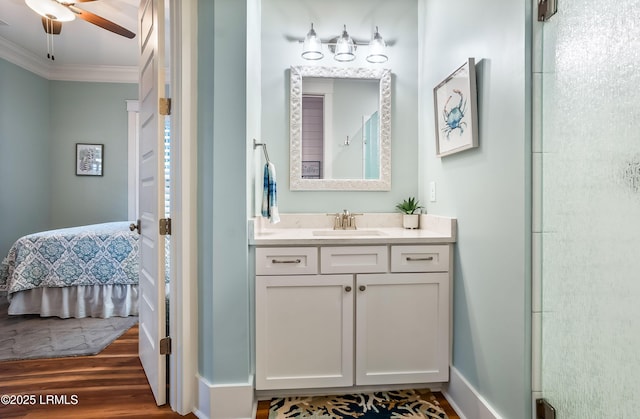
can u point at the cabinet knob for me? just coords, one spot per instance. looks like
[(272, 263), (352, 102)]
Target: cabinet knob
[(362, 288), (347, 289)]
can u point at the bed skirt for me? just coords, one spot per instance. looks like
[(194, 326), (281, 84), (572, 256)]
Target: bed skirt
[(79, 301)]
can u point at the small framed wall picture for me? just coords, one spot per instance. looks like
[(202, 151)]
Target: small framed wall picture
[(89, 159), (456, 116)]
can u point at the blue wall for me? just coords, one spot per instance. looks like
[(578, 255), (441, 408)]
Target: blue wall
[(488, 189), (25, 150), (83, 112), (41, 121), (398, 22), (223, 278)]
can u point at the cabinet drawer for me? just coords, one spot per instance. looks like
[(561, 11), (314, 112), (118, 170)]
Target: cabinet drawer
[(354, 259), (424, 258), (286, 260)]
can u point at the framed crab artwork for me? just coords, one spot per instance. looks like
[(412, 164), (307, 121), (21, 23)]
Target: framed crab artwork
[(456, 116)]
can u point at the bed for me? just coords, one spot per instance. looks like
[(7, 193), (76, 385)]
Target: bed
[(88, 271)]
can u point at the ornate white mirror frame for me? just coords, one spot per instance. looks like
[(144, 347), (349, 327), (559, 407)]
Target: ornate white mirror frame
[(295, 104)]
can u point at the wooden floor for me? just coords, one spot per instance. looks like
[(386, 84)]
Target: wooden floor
[(111, 384), (263, 407)]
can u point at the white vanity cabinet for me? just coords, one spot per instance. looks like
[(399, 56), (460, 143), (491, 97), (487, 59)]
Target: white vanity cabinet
[(359, 315)]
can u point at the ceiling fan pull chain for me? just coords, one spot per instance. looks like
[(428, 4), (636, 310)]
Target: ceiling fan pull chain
[(48, 35), (48, 23)]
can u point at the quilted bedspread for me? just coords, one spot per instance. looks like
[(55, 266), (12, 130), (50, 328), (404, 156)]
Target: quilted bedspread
[(98, 254)]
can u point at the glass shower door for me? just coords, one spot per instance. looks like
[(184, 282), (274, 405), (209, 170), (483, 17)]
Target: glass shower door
[(589, 239), (371, 147)]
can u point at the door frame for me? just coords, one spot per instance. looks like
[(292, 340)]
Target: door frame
[(183, 307)]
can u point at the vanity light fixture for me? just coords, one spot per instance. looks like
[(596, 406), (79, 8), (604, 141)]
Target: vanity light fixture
[(377, 49), (344, 47), (312, 49)]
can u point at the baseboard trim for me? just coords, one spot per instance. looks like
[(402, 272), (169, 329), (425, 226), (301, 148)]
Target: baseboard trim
[(226, 401), (465, 400), (330, 391)]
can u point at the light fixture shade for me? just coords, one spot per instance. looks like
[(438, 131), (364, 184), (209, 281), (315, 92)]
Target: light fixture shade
[(377, 49), (51, 9), (345, 47), (312, 47)]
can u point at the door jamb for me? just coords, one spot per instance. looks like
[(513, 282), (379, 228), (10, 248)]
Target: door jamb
[(183, 316)]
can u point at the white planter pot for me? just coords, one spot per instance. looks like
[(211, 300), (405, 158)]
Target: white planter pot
[(410, 220)]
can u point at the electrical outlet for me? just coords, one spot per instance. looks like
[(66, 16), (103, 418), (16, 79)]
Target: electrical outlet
[(432, 191)]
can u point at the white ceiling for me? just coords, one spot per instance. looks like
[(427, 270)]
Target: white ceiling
[(80, 44)]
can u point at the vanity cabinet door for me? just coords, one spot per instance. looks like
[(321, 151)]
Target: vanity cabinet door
[(304, 331), (402, 328)]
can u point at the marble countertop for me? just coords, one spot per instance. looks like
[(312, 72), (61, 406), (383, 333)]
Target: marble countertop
[(373, 228)]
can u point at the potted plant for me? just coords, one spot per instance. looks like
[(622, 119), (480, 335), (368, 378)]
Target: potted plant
[(408, 207)]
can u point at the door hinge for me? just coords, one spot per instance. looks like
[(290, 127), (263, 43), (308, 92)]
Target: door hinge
[(165, 346), (544, 410), (164, 106), (165, 226), (546, 9)]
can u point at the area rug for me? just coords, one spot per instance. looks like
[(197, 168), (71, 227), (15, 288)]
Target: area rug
[(389, 404), (32, 336)]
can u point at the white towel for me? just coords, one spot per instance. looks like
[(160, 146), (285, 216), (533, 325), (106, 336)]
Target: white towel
[(270, 194)]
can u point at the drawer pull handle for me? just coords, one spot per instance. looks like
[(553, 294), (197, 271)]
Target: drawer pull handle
[(411, 259), (362, 288), (285, 261), (347, 289)]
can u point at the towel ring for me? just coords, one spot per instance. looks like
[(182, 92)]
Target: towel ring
[(264, 148)]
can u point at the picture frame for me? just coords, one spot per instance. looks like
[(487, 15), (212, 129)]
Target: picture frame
[(89, 159), (456, 116), (311, 169)]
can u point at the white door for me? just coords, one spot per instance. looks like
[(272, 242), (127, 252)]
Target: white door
[(152, 288)]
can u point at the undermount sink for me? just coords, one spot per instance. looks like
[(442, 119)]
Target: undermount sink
[(339, 233)]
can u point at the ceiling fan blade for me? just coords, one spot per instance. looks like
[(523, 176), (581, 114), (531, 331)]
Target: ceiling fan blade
[(100, 21), (52, 27)]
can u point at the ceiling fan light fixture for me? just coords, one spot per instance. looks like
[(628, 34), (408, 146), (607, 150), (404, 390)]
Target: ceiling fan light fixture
[(51, 9)]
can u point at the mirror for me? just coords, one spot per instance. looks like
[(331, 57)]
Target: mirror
[(340, 128)]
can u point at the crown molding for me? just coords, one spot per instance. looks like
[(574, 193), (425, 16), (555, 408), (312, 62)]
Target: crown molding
[(18, 56), (51, 71), (101, 74)]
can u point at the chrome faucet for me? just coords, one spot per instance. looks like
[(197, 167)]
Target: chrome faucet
[(345, 220)]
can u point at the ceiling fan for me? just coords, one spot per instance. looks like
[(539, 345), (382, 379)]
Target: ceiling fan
[(54, 12)]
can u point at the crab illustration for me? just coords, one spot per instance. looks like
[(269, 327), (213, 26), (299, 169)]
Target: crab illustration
[(453, 117)]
